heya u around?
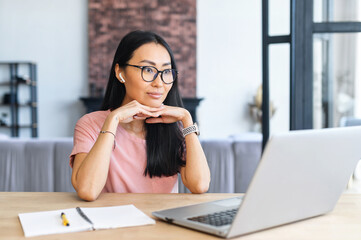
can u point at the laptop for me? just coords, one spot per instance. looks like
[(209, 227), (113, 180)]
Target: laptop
[(301, 175)]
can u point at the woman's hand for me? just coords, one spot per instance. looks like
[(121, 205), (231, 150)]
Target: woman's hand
[(169, 114), (134, 110)]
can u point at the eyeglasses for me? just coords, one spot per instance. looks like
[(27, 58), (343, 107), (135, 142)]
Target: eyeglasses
[(149, 74)]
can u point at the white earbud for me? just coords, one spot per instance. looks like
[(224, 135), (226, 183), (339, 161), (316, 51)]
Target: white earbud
[(121, 78)]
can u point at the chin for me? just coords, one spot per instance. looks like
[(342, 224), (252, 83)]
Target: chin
[(155, 105)]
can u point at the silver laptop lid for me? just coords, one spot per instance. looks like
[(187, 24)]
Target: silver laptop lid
[(302, 174)]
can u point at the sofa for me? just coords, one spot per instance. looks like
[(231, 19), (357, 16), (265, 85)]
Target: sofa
[(35, 165), (42, 165)]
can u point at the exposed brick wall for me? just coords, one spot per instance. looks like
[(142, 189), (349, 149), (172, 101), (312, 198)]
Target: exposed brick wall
[(174, 20)]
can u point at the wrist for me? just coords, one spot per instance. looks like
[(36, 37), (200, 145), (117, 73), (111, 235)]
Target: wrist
[(187, 119), (191, 129), (110, 123)]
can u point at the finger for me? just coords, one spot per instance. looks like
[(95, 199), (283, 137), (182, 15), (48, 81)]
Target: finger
[(134, 108), (127, 120), (160, 112), (141, 115), (148, 114), (138, 117), (153, 109), (154, 120), (166, 113)]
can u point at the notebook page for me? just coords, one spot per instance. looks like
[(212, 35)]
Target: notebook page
[(50, 222), (118, 216)]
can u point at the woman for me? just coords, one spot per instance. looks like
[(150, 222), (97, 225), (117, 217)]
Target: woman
[(142, 137)]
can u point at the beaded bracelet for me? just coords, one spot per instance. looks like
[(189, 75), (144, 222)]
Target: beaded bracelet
[(115, 143)]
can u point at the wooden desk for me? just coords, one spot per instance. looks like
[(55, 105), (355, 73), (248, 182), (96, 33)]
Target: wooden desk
[(343, 223)]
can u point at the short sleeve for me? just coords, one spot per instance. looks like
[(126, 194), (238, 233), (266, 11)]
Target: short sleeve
[(85, 135)]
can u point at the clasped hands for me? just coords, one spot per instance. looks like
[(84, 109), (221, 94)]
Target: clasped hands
[(137, 111)]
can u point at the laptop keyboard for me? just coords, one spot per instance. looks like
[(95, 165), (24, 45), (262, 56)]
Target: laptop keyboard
[(217, 218)]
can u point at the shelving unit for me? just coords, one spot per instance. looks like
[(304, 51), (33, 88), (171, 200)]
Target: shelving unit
[(10, 99)]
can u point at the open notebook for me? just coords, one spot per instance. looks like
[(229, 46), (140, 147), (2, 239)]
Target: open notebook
[(50, 222)]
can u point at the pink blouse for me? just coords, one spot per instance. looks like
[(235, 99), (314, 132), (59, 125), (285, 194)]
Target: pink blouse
[(127, 161)]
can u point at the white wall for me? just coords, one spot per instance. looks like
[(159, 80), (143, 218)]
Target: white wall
[(229, 70), (53, 34)]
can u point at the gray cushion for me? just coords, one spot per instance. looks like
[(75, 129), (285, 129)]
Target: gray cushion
[(62, 171), (12, 165), (39, 161), (247, 153)]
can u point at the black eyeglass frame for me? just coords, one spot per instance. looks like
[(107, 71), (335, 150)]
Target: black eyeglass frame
[(155, 75)]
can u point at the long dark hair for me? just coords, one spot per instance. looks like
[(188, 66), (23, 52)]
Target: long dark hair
[(165, 142)]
